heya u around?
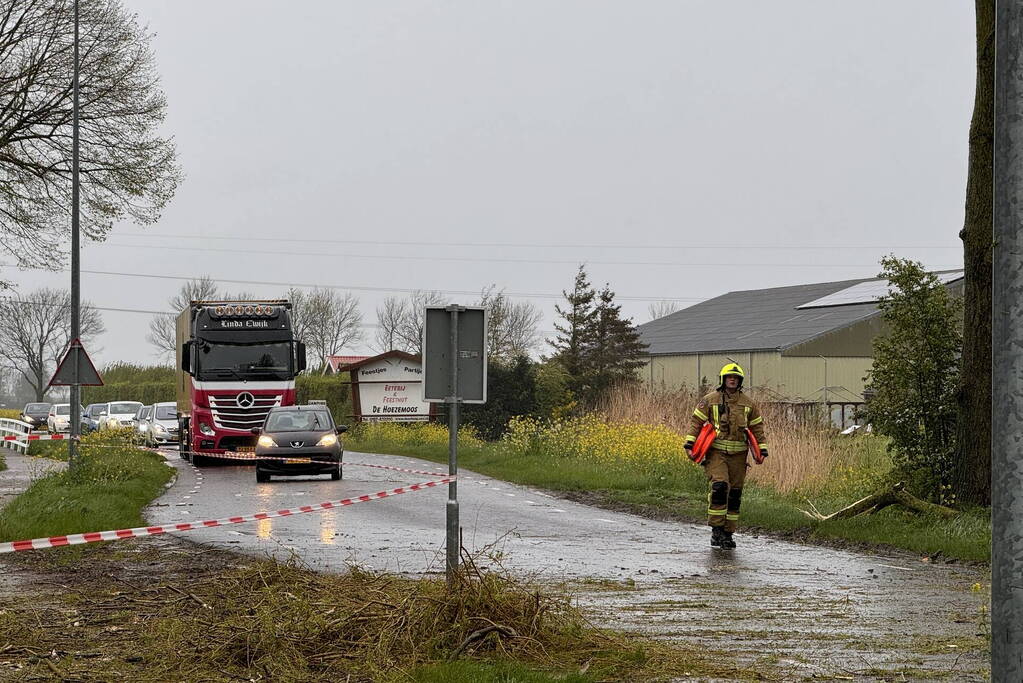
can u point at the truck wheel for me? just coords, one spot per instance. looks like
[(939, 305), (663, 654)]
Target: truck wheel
[(261, 476)]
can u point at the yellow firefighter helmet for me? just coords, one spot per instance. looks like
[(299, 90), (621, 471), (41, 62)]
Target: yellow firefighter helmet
[(732, 369)]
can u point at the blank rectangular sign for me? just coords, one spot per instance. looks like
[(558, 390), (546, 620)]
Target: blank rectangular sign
[(472, 355)]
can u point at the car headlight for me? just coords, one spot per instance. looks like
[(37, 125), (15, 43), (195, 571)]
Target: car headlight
[(160, 429), (29, 420), (266, 442), (206, 429), (327, 440)]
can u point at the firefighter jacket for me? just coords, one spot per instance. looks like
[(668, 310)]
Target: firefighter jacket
[(731, 415)]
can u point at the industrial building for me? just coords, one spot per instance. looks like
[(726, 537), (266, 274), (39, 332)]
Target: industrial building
[(801, 344)]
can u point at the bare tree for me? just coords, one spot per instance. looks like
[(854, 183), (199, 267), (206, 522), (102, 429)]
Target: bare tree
[(331, 322), (512, 326), (35, 331), (161, 327), (127, 170), (299, 319), (390, 317), (659, 309), (410, 332)]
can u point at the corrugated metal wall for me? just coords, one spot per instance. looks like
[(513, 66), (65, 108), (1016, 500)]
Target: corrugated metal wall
[(792, 377)]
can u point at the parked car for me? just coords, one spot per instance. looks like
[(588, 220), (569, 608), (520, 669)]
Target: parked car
[(118, 414), (306, 436), (139, 421), (59, 417), (162, 424), (36, 414), (90, 418)]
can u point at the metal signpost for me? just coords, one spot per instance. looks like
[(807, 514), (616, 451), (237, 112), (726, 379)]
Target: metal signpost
[(76, 296), (454, 372), (1007, 350)]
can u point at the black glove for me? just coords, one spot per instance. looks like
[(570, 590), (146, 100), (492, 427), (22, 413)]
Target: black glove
[(763, 452)]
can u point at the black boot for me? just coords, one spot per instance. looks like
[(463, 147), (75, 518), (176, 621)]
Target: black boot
[(717, 536), (727, 541)]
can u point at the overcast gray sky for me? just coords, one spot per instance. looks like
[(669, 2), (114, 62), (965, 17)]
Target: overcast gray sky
[(682, 149)]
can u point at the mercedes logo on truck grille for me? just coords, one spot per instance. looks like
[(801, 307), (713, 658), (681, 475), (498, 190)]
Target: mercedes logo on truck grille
[(245, 400)]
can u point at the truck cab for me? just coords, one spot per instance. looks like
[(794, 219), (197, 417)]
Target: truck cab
[(236, 360)]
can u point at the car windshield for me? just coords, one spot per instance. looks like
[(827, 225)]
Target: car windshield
[(123, 408), (37, 407), (95, 410), (166, 412), (63, 410), (297, 421), (244, 361)]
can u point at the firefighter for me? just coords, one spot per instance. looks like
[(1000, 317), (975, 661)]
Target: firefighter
[(731, 412)]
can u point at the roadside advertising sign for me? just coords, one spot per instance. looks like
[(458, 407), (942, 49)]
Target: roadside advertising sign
[(387, 388)]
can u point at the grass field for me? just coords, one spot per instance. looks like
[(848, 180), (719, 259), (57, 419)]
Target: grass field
[(643, 468), (108, 491)]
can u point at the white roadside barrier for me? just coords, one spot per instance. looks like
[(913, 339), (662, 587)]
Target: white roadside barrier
[(15, 434)]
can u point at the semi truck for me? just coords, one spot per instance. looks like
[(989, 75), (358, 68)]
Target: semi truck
[(236, 360)]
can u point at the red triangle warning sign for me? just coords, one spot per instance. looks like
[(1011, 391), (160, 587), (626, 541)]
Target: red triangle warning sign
[(76, 368)]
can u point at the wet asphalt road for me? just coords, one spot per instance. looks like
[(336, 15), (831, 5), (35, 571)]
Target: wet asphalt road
[(21, 471), (658, 577)]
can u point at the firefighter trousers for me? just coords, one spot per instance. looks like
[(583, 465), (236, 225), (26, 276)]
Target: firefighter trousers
[(726, 473)]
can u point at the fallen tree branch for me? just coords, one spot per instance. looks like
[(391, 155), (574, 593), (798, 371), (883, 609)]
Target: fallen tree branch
[(897, 495), (475, 636)]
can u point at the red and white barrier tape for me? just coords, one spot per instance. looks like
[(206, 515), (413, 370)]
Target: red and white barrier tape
[(94, 536), (36, 437)]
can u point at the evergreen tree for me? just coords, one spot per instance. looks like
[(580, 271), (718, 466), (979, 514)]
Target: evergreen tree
[(614, 356), (574, 342)]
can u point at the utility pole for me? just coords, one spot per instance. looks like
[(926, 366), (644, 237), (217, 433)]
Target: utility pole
[(76, 294), (1007, 350), (453, 543)]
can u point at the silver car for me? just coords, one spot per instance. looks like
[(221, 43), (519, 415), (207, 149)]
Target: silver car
[(118, 414), (162, 424), (141, 417)]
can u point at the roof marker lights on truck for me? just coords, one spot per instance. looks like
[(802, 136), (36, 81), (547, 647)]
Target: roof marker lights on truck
[(244, 310)]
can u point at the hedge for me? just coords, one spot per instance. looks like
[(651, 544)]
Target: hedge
[(331, 388)]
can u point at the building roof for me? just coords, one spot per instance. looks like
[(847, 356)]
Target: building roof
[(755, 320), (366, 360), (335, 362)]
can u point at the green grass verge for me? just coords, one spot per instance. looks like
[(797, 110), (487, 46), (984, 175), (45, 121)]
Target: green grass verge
[(107, 491), (682, 493)]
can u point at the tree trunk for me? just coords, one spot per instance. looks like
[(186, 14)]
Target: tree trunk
[(972, 473)]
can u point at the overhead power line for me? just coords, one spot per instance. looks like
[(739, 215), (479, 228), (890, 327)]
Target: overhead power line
[(122, 310), (358, 288), (487, 259), (536, 245)]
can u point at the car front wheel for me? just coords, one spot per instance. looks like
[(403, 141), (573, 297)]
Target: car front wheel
[(335, 475), (261, 476)]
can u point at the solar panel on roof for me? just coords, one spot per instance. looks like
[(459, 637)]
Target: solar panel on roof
[(867, 292)]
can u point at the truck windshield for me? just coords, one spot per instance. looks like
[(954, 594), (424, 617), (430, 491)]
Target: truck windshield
[(244, 361)]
